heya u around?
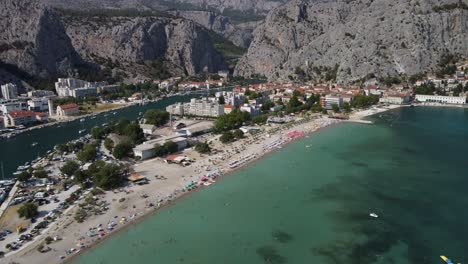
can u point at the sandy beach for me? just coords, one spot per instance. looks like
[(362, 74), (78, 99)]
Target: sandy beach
[(167, 182)]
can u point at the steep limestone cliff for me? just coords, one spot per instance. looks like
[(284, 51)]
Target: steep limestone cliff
[(127, 42), (358, 37), (33, 40)]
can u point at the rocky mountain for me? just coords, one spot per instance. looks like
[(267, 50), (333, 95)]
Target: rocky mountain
[(129, 42), (33, 41), (37, 43), (254, 6), (352, 39), (239, 34)]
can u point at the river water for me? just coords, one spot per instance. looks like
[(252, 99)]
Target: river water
[(18, 150), (312, 205)]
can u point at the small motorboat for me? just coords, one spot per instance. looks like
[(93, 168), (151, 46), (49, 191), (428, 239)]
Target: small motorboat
[(82, 131), (82, 120), (446, 260), (34, 144), (374, 215)]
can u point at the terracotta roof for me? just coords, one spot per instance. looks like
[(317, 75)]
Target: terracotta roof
[(68, 106), (16, 114), (228, 106)]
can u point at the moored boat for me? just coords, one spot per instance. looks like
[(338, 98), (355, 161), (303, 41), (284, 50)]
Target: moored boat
[(446, 260)]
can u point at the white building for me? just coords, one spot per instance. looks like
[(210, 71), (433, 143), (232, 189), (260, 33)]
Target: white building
[(176, 109), (146, 150), (148, 129), (9, 91), (78, 88), (441, 99), (231, 98), (198, 107), (40, 93), (7, 106), (401, 98), (38, 104), (332, 99), (253, 111)]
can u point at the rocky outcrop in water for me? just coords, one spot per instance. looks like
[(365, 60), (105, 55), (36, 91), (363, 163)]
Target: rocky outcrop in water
[(359, 38)]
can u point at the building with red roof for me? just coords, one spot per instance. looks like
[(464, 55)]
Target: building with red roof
[(17, 118), (67, 110)]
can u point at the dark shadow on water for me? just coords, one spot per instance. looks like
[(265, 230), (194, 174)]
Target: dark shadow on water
[(270, 254), (282, 236)]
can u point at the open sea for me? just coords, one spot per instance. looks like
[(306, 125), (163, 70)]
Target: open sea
[(312, 205)]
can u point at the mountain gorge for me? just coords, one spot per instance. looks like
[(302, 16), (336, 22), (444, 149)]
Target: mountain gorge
[(38, 42), (355, 39)]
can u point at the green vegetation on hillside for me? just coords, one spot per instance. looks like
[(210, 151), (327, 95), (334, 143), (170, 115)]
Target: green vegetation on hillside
[(230, 51)]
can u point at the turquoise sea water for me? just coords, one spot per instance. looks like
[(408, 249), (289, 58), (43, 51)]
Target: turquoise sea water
[(312, 205)]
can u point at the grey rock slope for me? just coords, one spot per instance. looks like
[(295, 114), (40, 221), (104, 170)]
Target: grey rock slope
[(239, 34), (183, 46), (257, 6), (33, 40), (361, 37)]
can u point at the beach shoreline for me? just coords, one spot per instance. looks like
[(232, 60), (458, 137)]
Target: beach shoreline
[(308, 127)]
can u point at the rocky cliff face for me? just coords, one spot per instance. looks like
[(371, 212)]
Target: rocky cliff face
[(239, 34), (33, 40), (128, 42), (362, 37), (257, 6)]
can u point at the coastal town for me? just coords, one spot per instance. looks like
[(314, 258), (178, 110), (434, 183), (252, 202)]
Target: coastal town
[(121, 171)]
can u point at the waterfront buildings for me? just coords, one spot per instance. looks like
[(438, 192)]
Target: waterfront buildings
[(395, 98), (330, 100), (41, 93), (7, 106), (459, 100), (252, 110), (208, 107), (148, 129), (78, 88), (64, 111), (17, 118), (9, 91), (38, 104)]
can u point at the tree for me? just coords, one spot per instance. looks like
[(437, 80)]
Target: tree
[(227, 137), (156, 117), (335, 108), (202, 147), (121, 126), (159, 150), (108, 144), (70, 168), (346, 107), (81, 177), (40, 173), (294, 102), (110, 176), (88, 153), (122, 150), (170, 147), (97, 132), (28, 210), (267, 105), (230, 121), (221, 100), (134, 132), (362, 101), (61, 148), (238, 134), (24, 176)]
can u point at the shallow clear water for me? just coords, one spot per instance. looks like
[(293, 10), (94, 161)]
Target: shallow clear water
[(312, 205)]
